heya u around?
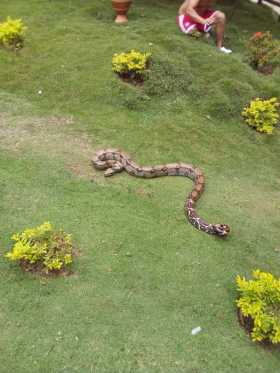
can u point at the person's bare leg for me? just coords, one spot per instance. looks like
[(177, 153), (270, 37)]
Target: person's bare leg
[(220, 22)]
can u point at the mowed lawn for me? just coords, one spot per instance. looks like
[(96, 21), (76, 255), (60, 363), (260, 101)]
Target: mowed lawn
[(144, 277)]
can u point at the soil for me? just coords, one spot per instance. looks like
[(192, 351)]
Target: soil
[(134, 80), (246, 322), (39, 270), (266, 70)]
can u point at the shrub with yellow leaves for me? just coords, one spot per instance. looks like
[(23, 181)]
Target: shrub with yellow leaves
[(12, 33), (131, 65), (260, 301), (42, 249), (261, 114)]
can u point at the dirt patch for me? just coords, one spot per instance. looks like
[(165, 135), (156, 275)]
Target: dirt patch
[(3, 116), (37, 270), (143, 193), (57, 121), (51, 137), (246, 322)]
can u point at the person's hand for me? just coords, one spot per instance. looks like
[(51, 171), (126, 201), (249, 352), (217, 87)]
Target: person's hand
[(211, 20)]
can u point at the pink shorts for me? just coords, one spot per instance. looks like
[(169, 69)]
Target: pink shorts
[(187, 25)]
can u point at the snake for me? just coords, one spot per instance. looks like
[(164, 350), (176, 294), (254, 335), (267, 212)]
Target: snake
[(114, 161)]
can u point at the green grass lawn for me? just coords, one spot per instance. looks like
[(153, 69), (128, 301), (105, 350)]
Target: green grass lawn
[(145, 277)]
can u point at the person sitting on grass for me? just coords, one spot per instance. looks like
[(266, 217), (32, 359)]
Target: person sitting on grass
[(197, 15)]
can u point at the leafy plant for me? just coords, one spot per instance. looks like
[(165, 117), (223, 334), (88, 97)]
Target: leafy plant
[(42, 249), (12, 33), (166, 76), (196, 34), (264, 51), (260, 301), (131, 65), (261, 114)]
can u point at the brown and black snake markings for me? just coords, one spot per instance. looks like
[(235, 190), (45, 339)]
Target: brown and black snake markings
[(113, 161)]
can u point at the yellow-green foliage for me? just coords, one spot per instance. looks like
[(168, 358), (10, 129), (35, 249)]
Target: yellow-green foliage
[(260, 300), (42, 247), (12, 33), (131, 63), (263, 115)]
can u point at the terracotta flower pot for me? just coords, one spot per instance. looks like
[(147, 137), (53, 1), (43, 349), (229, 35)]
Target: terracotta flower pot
[(121, 7)]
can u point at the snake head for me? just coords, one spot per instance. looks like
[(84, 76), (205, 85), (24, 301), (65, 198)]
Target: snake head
[(221, 230), (113, 167), (109, 172), (100, 165)]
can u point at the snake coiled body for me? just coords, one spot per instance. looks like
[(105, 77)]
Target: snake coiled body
[(113, 161)]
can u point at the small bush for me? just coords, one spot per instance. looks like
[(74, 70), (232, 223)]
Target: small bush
[(263, 115), (260, 301), (131, 65), (168, 76), (42, 249), (264, 52), (165, 77), (225, 96), (12, 33), (129, 95)]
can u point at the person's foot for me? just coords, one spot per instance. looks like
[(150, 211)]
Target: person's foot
[(225, 50)]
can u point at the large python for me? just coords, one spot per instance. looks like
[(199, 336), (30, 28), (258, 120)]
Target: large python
[(113, 161)]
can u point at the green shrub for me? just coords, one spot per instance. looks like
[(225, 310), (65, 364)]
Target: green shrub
[(264, 51), (167, 76), (12, 33), (260, 301), (42, 249), (225, 97), (263, 115), (130, 96), (164, 77)]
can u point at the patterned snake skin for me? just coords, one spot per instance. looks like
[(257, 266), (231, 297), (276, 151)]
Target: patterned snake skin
[(113, 161)]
